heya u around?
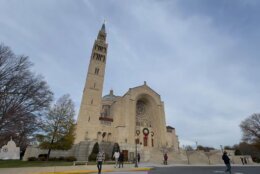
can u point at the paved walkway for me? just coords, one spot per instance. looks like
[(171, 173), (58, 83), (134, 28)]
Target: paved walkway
[(84, 169), (80, 169)]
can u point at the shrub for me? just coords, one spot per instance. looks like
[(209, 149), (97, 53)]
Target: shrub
[(70, 158), (53, 159), (61, 158), (107, 157), (42, 158), (32, 159), (43, 155), (92, 157), (238, 152)]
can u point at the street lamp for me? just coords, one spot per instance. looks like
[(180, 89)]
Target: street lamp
[(136, 164), (221, 147)]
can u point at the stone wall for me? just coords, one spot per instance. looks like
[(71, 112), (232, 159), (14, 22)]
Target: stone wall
[(34, 151), (155, 155)]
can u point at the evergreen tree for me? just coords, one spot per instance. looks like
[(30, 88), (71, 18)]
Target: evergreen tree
[(95, 150)]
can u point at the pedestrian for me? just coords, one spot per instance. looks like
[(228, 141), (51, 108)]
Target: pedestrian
[(100, 160), (165, 158), (242, 160), (121, 159), (226, 161), (138, 157), (245, 160), (116, 156)]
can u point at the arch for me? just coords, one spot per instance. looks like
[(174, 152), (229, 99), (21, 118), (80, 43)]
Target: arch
[(153, 119), (109, 137), (99, 136), (145, 110)]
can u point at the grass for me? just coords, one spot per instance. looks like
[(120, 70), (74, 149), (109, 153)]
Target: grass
[(18, 163)]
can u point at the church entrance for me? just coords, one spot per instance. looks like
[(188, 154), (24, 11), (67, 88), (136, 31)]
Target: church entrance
[(125, 152)]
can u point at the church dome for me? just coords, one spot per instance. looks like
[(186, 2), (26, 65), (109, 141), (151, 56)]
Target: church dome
[(110, 96)]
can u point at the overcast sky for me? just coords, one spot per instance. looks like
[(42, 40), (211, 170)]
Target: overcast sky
[(201, 56)]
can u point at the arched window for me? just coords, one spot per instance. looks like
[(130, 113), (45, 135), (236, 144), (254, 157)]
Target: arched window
[(96, 71)]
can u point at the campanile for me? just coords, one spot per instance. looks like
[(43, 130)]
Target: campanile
[(89, 113)]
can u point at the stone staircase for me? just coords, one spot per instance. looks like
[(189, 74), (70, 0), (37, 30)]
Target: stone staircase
[(107, 147), (83, 149), (155, 155)]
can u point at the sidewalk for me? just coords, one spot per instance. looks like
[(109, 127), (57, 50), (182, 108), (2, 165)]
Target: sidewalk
[(81, 169), (84, 169)]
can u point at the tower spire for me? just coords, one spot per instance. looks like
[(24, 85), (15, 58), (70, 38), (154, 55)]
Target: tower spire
[(102, 33), (103, 28)]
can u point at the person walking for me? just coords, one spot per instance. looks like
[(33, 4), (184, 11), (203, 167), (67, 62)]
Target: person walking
[(226, 161), (121, 159), (100, 160), (138, 157), (116, 156), (165, 158)]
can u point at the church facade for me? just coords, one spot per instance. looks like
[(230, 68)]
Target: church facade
[(135, 119)]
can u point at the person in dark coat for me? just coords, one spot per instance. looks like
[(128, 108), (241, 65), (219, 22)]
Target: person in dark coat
[(226, 161), (121, 159)]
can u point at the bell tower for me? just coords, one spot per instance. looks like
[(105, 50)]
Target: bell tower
[(89, 113)]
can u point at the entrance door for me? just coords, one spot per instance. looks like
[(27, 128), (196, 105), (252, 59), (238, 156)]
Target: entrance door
[(125, 152)]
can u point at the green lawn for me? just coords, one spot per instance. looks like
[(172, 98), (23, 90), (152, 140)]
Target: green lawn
[(18, 163)]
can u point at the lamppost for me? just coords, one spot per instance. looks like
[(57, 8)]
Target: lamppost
[(221, 147), (136, 162)]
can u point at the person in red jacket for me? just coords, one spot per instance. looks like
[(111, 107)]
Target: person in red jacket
[(165, 158)]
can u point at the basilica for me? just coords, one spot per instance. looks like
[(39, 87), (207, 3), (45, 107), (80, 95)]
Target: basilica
[(136, 118), (134, 123)]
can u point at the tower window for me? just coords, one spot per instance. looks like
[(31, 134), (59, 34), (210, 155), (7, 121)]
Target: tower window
[(98, 57), (104, 59), (96, 71), (91, 101)]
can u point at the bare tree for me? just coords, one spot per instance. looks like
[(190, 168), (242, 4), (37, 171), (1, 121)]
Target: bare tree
[(58, 126), (209, 154), (189, 151), (205, 148), (251, 129), (23, 97)]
